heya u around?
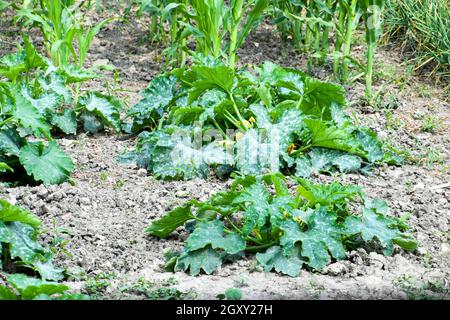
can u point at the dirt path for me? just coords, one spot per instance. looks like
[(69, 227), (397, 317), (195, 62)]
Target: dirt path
[(108, 207)]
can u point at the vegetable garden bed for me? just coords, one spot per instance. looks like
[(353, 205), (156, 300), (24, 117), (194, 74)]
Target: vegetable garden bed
[(95, 222)]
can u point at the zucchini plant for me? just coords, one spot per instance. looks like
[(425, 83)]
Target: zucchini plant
[(311, 228), (36, 99), (210, 118), (25, 112), (22, 287), (20, 251)]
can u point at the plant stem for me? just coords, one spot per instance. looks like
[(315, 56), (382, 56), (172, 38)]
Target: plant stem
[(236, 17), (232, 53), (350, 25), (235, 107), (6, 121), (300, 101), (233, 225), (183, 41), (220, 129), (317, 40), (173, 33), (297, 34), (260, 247), (248, 238), (325, 35), (154, 27), (301, 149), (231, 118), (77, 92), (308, 36), (338, 42), (369, 72)]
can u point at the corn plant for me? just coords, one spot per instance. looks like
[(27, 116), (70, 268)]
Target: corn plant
[(165, 25), (371, 14), (217, 28), (352, 18), (56, 23), (209, 28), (160, 12), (310, 24), (85, 35), (4, 5), (67, 39), (61, 29)]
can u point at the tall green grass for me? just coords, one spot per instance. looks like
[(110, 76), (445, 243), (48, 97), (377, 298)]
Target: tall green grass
[(423, 26)]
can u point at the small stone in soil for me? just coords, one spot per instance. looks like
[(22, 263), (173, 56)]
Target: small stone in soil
[(142, 172)]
